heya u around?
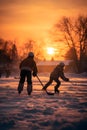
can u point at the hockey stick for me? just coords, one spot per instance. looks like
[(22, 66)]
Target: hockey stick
[(49, 93)]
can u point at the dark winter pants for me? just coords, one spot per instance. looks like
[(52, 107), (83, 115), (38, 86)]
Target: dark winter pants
[(50, 82), (23, 75)]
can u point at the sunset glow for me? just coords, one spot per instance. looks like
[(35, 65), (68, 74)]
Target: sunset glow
[(50, 50), (21, 20), (33, 19)]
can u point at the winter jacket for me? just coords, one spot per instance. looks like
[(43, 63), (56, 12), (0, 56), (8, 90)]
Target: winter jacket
[(58, 72), (28, 64)]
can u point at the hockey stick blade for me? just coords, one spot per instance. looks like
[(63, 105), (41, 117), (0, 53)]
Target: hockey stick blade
[(49, 93)]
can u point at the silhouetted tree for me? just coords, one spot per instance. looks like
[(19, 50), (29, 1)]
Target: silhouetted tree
[(28, 46), (1, 43), (74, 34), (4, 58), (52, 59), (8, 54), (33, 46), (4, 63), (14, 53)]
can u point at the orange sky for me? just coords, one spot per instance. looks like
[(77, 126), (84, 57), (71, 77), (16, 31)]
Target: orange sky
[(24, 19)]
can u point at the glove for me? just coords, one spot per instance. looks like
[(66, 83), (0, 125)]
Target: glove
[(67, 80), (34, 74)]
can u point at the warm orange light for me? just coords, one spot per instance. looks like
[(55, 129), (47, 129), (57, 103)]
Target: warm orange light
[(50, 50)]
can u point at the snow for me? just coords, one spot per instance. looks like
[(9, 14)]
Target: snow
[(39, 111)]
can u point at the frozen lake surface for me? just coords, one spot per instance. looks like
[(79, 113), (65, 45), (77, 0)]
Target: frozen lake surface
[(39, 111)]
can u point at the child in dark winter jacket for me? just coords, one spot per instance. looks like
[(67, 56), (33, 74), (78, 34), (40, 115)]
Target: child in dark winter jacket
[(27, 66), (55, 74)]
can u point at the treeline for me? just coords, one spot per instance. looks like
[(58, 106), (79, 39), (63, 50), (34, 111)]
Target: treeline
[(8, 56), (11, 55)]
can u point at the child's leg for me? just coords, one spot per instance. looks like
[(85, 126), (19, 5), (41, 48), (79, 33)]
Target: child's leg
[(47, 84), (21, 82), (20, 87), (57, 85), (29, 82), (29, 88)]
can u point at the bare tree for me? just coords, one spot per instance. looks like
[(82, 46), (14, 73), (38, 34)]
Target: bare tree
[(14, 53), (8, 56), (74, 34), (28, 46), (33, 46)]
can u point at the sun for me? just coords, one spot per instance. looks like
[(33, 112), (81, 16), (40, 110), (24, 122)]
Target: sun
[(50, 50)]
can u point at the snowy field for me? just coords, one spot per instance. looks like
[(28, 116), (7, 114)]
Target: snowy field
[(39, 111)]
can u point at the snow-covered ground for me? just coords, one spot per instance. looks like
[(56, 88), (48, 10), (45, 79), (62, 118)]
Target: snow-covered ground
[(39, 111)]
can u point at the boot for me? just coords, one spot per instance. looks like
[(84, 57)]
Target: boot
[(29, 89), (20, 88), (56, 90)]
